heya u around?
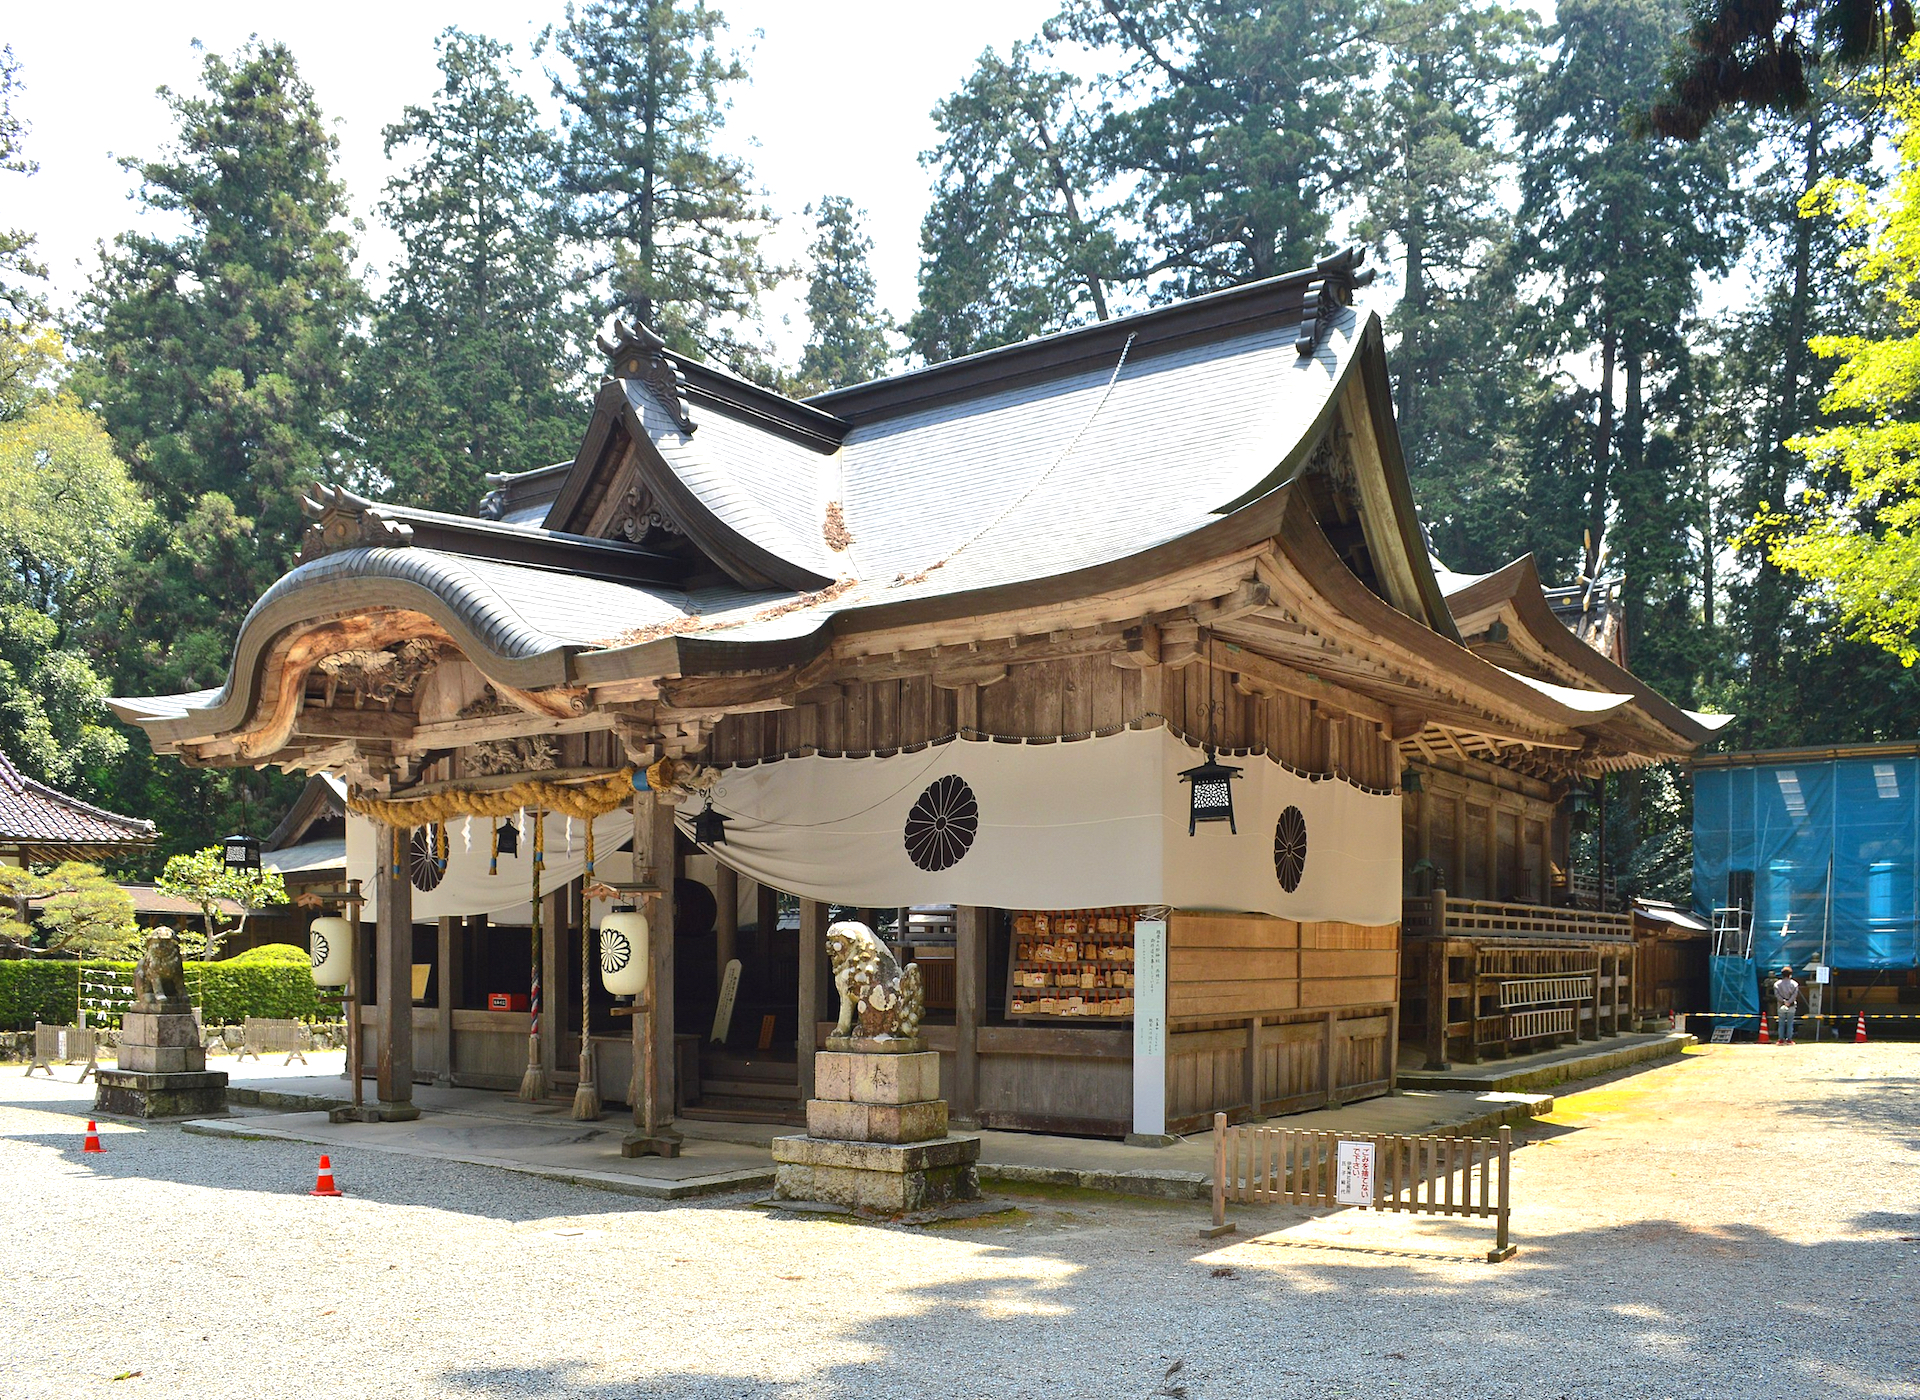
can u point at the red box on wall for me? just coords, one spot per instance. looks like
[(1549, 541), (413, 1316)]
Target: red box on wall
[(506, 1001)]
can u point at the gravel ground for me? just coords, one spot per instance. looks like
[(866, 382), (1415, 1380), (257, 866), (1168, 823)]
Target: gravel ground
[(1741, 1222)]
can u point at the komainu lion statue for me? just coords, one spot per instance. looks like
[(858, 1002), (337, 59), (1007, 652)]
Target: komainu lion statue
[(887, 1000), (160, 978)]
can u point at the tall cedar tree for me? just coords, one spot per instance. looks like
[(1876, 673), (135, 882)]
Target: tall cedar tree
[(1767, 55), (1014, 243), (469, 368), (1432, 202), (1239, 131), (672, 226), (1616, 225), (847, 342), (218, 356), (19, 268)]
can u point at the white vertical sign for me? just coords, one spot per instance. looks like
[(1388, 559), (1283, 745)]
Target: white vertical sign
[(1150, 1027), (1353, 1174), (723, 1009)]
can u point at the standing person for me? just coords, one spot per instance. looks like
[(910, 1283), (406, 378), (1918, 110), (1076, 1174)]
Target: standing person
[(1786, 996)]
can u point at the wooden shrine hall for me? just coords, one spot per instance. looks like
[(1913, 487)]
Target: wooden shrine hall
[(1104, 674)]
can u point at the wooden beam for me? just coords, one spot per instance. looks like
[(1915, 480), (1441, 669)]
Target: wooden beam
[(1142, 647), (1252, 595), (393, 969), (969, 1001), (454, 733), (812, 994), (353, 724), (1228, 656)]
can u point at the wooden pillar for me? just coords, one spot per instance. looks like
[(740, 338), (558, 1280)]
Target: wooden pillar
[(1438, 993), (665, 845), (443, 978), (1473, 1006), (1599, 972), (766, 918), (969, 1000), (652, 1087), (393, 972), (726, 923), (814, 989)]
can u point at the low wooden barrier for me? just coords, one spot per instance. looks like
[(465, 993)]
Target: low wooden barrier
[(1258, 1165), (68, 1044), (267, 1034)]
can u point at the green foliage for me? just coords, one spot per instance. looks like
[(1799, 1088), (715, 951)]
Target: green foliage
[(39, 989), (469, 368), (671, 225), (1235, 132), (272, 955), (848, 344), (218, 356), (1860, 542), (72, 908), (1012, 245), (203, 878), (47, 990), (68, 509)]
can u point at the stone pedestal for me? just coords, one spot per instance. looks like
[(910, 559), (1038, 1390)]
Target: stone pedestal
[(161, 1072), (877, 1136)]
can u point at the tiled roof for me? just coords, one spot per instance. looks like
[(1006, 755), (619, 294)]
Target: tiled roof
[(34, 814)]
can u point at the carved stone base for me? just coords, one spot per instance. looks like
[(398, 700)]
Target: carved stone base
[(130, 1093), (877, 1136), (877, 1044), (641, 1143), (884, 1178)]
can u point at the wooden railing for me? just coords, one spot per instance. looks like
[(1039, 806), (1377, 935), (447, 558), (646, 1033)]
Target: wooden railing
[(1442, 914), (1259, 1165)]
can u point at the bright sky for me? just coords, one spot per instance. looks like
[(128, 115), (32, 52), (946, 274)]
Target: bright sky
[(839, 104)]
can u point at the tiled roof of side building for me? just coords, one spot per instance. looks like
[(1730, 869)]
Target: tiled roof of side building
[(33, 813)]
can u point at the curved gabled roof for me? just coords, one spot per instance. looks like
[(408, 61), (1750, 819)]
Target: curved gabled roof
[(1513, 594), (54, 824)]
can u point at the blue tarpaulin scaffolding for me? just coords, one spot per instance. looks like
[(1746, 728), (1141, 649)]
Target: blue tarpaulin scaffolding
[(1824, 851)]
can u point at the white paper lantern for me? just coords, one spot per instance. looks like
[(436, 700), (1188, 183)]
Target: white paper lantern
[(623, 952), (330, 945)]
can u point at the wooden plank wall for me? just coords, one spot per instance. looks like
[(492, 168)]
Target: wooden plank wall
[(1050, 698), (1251, 964), (1273, 1015)]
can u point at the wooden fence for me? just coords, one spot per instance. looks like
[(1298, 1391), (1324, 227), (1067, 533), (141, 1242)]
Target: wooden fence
[(67, 1044), (1258, 1165), (269, 1035)]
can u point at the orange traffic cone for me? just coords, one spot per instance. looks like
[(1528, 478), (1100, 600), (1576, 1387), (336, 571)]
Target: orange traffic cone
[(1860, 1030), (324, 1186), (93, 1137), (1764, 1039)]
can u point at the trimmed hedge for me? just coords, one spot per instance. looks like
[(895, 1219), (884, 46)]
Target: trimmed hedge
[(271, 955), (226, 992)]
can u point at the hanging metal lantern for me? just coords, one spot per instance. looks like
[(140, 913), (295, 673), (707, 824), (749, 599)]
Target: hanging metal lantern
[(624, 952), (709, 827), (330, 946), (241, 852), (1411, 781), (509, 839), (1211, 793)]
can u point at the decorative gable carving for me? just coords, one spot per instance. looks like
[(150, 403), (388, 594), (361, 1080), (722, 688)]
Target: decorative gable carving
[(342, 520), (639, 515), (635, 352)]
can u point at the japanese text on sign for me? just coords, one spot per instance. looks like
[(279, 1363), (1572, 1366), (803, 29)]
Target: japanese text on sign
[(1353, 1174)]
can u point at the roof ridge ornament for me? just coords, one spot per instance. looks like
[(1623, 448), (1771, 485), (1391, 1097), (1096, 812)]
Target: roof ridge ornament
[(638, 352), (1338, 272), (343, 520)]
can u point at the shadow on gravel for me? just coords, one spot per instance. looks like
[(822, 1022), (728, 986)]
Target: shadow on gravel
[(1892, 1109), (1662, 1309)]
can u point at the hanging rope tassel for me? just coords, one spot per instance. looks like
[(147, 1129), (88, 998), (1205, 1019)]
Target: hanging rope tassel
[(533, 1084), (586, 1098)]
